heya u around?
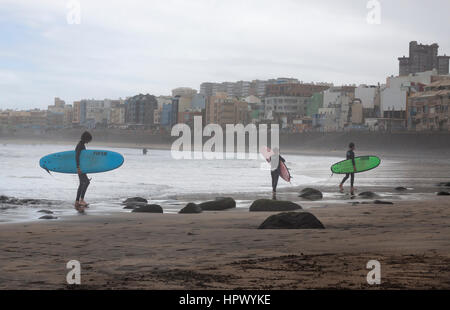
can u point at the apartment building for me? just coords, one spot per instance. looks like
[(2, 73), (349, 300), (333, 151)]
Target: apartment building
[(429, 109)]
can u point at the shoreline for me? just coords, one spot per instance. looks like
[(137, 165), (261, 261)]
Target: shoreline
[(391, 154), (173, 203)]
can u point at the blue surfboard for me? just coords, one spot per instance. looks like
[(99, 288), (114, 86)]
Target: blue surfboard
[(91, 161)]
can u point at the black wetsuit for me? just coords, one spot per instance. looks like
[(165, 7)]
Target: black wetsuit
[(350, 155), (275, 173), (84, 180)]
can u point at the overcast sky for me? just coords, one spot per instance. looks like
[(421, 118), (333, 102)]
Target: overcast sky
[(122, 48)]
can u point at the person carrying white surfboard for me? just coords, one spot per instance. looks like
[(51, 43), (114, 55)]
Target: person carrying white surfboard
[(350, 155), (275, 170), (80, 204)]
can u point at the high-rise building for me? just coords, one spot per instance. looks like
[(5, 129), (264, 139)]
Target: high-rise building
[(117, 117), (423, 58), (293, 89), (68, 116), (169, 113), (184, 91), (242, 89), (76, 112), (140, 110), (222, 109)]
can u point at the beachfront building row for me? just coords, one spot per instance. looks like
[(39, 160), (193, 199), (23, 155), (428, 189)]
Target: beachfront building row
[(295, 107), (429, 109), (403, 103)]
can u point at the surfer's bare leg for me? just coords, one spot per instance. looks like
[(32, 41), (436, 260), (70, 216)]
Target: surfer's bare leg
[(84, 183), (275, 177), (341, 186), (352, 182)]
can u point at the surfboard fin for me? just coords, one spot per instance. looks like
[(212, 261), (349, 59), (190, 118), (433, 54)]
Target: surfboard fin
[(48, 171)]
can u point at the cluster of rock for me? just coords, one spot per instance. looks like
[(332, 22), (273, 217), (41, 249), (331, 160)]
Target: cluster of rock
[(219, 204), (141, 205), (287, 220), (20, 202), (13, 202)]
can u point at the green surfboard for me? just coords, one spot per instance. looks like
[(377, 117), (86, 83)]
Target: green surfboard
[(362, 163)]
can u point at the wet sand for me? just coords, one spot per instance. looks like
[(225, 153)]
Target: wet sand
[(225, 250)]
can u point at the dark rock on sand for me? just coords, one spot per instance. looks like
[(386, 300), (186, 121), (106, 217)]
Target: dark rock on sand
[(4, 198), (135, 200), (444, 184), (45, 211), (311, 194), (368, 195), (191, 208), (401, 189), (443, 194), (48, 217), (381, 202), (148, 209), (269, 205), (218, 204), (292, 220)]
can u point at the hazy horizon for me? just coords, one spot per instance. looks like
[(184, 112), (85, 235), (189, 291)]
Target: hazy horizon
[(120, 50)]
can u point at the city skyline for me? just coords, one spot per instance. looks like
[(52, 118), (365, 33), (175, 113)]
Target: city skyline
[(166, 45)]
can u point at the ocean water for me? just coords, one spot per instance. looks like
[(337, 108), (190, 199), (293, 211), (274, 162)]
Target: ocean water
[(159, 177)]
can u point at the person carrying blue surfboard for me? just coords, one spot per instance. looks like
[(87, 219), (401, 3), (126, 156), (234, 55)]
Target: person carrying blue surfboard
[(80, 204), (350, 155)]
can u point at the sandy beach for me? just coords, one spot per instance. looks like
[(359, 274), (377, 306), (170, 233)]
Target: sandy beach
[(225, 250), (118, 249)]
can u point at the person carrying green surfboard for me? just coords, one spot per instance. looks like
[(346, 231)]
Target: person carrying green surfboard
[(350, 155)]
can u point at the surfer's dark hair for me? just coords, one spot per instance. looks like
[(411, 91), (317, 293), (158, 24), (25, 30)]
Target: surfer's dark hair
[(86, 137), (351, 145)]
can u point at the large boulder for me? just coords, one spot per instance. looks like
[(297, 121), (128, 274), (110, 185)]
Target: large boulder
[(443, 194), (45, 211), (269, 205), (368, 195), (48, 217), (292, 220), (311, 194), (382, 202), (444, 184), (135, 200), (191, 208), (401, 189), (148, 209), (218, 204)]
